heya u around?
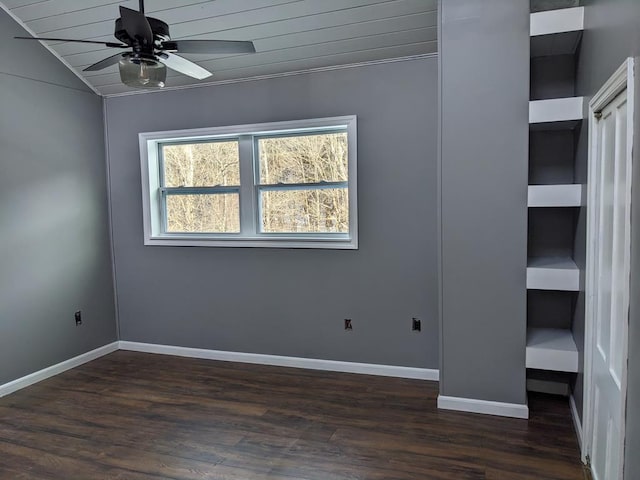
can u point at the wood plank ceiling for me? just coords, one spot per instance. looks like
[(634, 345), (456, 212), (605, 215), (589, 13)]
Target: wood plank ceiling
[(289, 35)]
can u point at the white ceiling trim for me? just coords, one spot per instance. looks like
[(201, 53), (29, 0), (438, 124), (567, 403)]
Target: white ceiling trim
[(274, 75), (51, 50)]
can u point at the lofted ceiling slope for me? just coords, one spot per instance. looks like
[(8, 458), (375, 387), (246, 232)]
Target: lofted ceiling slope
[(289, 35)]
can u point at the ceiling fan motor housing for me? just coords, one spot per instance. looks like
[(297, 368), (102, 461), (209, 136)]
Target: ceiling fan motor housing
[(159, 28)]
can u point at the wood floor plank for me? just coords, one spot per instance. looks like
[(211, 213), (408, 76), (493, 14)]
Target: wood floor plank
[(140, 416)]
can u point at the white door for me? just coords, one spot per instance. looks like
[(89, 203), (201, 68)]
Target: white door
[(610, 202)]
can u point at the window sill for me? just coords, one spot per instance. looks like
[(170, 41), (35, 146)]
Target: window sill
[(281, 242)]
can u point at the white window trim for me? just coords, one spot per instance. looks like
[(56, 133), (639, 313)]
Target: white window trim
[(153, 234)]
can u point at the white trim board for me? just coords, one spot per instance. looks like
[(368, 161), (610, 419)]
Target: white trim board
[(577, 424), (486, 407), (282, 361), (56, 369)]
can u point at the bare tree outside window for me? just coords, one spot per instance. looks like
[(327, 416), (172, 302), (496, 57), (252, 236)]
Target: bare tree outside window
[(302, 185), (211, 164), (297, 168)]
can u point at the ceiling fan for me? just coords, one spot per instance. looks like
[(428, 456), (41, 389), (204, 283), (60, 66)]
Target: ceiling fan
[(152, 50)]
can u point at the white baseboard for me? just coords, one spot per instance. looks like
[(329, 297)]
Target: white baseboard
[(48, 372), (282, 361), (483, 406), (276, 360), (576, 420)]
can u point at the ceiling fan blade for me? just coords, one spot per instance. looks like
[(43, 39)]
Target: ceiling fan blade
[(184, 66), (137, 26), (209, 46), (104, 63), (108, 44)]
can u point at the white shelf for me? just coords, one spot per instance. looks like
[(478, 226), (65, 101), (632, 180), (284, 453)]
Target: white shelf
[(555, 196), (557, 21), (568, 111), (560, 274), (551, 349)]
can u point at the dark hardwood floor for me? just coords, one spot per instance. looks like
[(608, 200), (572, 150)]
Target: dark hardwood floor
[(133, 416)]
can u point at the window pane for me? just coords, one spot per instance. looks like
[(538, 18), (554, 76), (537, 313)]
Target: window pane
[(219, 213), (303, 158), (302, 211), (201, 164)]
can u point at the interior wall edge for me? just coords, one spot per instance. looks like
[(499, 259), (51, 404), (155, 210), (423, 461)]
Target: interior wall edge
[(112, 252)]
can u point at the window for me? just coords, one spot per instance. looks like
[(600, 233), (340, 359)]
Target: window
[(285, 184)]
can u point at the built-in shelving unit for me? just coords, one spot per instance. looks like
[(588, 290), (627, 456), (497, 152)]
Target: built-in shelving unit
[(551, 346)]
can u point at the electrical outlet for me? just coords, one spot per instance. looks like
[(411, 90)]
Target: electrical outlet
[(78, 317), (416, 324), (347, 324)]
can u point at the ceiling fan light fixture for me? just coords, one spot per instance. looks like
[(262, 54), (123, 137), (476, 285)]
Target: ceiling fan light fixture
[(142, 72), (149, 50)]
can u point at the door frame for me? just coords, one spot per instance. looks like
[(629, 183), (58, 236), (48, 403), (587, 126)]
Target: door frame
[(623, 79)]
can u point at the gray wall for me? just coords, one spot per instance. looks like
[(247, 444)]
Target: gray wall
[(293, 302), (612, 34), (553, 77), (484, 51), (54, 242), (541, 5)]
